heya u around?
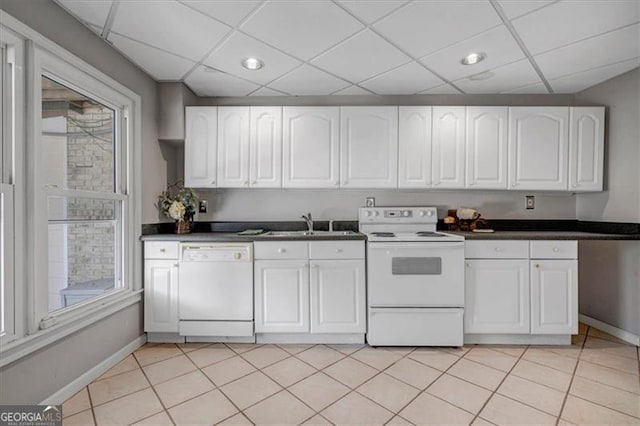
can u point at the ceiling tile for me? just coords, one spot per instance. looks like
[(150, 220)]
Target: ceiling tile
[(576, 82), (497, 43), (170, 26), (301, 28), (238, 47), (536, 88), (265, 91), (90, 11), (506, 77), (370, 11), (205, 83), (569, 21), (308, 80), (443, 89), (423, 27), (360, 57), (352, 90), (405, 80), (615, 46), (230, 12), (515, 8), (158, 64)]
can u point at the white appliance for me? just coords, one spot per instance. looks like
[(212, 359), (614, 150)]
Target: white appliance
[(415, 278), (215, 294)]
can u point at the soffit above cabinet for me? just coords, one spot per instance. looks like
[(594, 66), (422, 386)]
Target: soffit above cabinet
[(388, 47)]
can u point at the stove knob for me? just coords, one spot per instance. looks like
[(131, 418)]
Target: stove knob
[(367, 213), (375, 213), (421, 213), (405, 213), (430, 213)]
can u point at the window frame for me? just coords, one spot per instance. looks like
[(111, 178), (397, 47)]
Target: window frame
[(29, 337)]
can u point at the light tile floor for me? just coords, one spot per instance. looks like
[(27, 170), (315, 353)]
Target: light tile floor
[(594, 381)]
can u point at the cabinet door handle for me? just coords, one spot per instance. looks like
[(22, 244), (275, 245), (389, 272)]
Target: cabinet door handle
[(176, 265), (513, 184), (556, 249), (246, 183), (282, 250), (537, 265), (254, 182), (213, 182), (468, 265), (498, 249), (338, 250)]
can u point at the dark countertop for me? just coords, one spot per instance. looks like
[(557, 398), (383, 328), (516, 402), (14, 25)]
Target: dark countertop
[(544, 235), (226, 237)]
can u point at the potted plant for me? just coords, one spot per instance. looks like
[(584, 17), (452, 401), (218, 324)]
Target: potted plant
[(178, 203)]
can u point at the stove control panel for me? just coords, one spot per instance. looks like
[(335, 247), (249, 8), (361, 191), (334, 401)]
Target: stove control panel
[(407, 215)]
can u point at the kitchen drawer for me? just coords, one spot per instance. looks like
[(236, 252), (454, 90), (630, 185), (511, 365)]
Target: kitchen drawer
[(336, 250), (281, 249), (554, 249), (161, 249), (496, 249)]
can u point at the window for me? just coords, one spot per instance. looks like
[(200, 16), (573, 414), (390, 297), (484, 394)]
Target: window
[(82, 158)]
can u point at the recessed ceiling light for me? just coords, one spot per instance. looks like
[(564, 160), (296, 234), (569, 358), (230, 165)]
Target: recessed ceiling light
[(473, 58), (252, 64), (481, 76)]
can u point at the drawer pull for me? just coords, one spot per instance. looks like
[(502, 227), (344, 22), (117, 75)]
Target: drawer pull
[(175, 265), (498, 249), (338, 250), (282, 250), (163, 250), (556, 249)]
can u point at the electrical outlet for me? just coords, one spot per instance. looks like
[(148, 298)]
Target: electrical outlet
[(530, 202), (202, 206)]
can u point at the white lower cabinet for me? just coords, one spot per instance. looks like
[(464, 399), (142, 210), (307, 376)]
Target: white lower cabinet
[(554, 296), (281, 296), (337, 296), (319, 288), (161, 287), (497, 296), (521, 288)]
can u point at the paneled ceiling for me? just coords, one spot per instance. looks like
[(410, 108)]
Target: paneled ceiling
[(371, 47)]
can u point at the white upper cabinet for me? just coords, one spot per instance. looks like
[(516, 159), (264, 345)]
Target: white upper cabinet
[(266, 147), (486, 147), (538, 148), (369, 147), (200, 147), (447, 163), (311, 147), (586, 148), (233, 147), (414, 147)]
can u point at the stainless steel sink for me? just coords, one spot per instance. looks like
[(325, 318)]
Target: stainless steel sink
[(306, 233)]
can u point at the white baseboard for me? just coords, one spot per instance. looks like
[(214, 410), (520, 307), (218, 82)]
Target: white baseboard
[(72, 388), (614, 331), (517, 339), (309, 338)]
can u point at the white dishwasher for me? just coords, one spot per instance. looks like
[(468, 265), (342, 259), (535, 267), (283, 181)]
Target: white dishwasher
[(215, 290)]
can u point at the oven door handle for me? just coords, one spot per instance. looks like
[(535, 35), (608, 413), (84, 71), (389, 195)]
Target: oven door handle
[(421, 245)]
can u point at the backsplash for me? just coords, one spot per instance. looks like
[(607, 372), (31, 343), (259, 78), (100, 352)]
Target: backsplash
[(289, 204)]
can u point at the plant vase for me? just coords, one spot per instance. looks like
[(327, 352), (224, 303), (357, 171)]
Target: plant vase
[(182, 227)]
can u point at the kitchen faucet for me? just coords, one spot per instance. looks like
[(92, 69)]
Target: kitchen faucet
[(307, 218)]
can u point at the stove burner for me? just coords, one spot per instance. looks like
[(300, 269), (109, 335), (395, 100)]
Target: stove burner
[(428, 234), (384, 234)]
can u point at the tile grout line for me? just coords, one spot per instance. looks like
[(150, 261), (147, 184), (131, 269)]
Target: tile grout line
[(153, 389), (495, 391), (93, 414), (566, 396)]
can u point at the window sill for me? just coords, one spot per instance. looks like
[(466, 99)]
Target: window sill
[(69, 324)]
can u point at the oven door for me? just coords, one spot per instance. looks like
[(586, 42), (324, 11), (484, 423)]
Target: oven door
[(416, 274)]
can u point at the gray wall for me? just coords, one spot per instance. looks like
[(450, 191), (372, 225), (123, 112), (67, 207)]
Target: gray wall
[(35, 377), (609, 270), (283, 204), (621, 199)]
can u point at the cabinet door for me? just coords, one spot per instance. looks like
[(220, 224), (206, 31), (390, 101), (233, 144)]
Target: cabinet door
[(414, 147), (338, 302), (233, 147), (311, 147), (497, 297), (447, 162), (266, 147), (281, 296), (554, 296), (486, 148), (161, 296), (200, 147), (369, 147), (538, 148), (586, 148)]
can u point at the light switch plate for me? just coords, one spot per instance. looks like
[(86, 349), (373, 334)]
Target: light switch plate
[(530, 202)]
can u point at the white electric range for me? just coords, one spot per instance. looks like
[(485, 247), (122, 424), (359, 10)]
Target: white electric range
[(415, 278)]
